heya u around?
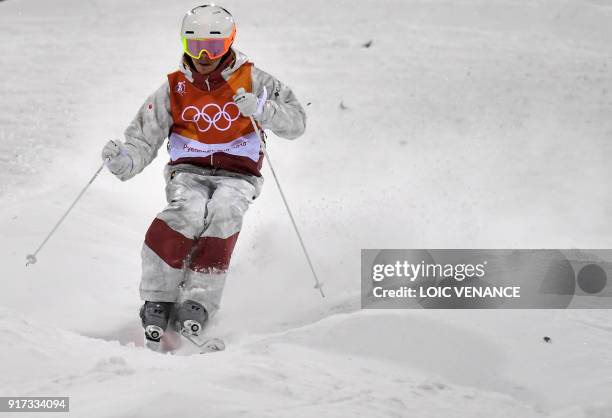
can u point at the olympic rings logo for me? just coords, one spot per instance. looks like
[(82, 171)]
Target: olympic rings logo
[(221, 119)]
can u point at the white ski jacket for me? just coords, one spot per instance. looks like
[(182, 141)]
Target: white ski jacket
[(282, 114)]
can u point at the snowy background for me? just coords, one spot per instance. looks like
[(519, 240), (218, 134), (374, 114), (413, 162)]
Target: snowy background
[(466, 123)]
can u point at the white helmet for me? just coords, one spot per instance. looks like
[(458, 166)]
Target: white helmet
[(208, 28)]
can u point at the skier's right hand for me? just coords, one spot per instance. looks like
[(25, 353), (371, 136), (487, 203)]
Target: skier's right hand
[(117, 159)]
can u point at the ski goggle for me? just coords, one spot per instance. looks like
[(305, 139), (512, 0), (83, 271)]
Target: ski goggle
[(213, 47)]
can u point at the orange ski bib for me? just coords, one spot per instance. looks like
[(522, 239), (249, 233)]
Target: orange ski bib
[(208, 126)]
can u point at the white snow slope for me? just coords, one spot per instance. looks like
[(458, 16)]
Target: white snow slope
[(467, 123)]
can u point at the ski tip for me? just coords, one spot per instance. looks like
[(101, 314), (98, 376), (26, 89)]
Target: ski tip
[(213, 345), (205, 345)]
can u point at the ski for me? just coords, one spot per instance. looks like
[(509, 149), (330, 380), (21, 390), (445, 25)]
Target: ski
[(205, 345)]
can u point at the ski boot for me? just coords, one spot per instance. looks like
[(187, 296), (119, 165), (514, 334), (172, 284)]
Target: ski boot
[(189, 320), (190, 317), (154, 316)]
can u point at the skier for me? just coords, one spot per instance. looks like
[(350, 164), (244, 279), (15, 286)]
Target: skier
[(213, 175)]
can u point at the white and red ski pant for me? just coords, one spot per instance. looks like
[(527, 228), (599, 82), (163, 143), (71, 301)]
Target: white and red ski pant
[(188, 246)]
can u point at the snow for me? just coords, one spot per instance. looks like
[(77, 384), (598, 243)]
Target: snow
[(471, 123)]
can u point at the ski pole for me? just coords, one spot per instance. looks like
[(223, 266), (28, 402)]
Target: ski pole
[(318, 284), (31, 258)]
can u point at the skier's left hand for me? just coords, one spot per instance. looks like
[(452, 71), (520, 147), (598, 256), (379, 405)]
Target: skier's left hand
[(248, 103)]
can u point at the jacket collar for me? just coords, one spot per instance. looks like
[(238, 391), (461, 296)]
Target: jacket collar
[(228, 65)]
